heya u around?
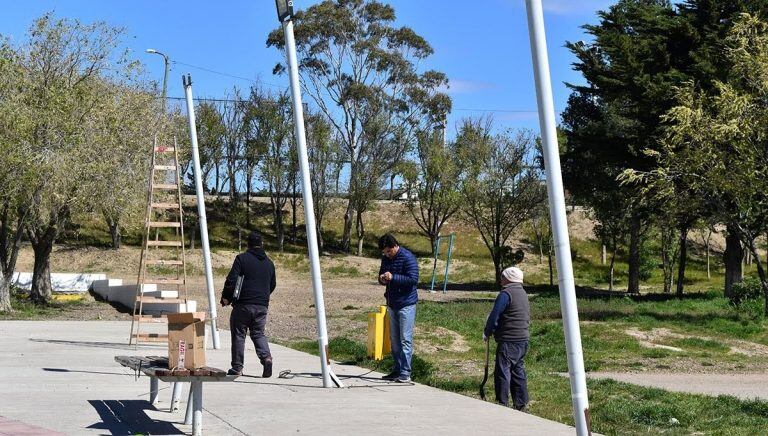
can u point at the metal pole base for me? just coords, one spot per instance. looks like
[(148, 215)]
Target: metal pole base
[(335, 379)]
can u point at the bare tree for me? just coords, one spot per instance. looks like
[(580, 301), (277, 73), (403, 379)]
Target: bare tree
[(503, 184)]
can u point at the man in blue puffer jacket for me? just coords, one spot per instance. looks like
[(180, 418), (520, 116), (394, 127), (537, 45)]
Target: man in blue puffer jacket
[(399, 272)]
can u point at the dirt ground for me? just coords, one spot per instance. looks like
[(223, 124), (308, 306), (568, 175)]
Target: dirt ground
[(291, 314)]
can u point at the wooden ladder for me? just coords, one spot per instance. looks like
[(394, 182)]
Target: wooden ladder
[(162, 260)]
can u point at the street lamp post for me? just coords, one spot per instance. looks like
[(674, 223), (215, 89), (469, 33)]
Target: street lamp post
[(284, 14), (165, 76), (547, 122)]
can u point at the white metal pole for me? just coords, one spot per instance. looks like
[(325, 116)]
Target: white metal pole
[(309, 211), (565, 280), (201, 209)]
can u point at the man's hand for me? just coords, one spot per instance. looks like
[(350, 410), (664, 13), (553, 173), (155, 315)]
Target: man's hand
[(386, 277), (224, 302), (485, 338)]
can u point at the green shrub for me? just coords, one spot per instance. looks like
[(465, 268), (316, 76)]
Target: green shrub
[(749, 289)]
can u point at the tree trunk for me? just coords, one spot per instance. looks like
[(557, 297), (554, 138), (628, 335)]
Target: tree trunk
[(280, 230), (192, 235), (497, 267), (5, 294), (239, 238), (360, 234), (683, 258), (613, 264), (551, 269), (114, 233), (709, 235), (248, 200), (294, 200), (41, 272), (603, 256), (320, 241), (347, 234), (732, 260), (760, 272), (633, 283)]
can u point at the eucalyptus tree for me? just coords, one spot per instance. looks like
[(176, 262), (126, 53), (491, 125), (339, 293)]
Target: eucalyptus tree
[(325, 162), (64, 66), (362, 73)]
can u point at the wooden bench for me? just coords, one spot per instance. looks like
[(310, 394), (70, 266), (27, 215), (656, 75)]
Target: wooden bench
[(156, 367)]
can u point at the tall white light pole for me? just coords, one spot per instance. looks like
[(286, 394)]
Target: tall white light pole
[(187, 81), (557, 213), (284, 13)]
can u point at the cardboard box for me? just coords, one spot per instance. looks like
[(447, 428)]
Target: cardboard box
[(186, 340)]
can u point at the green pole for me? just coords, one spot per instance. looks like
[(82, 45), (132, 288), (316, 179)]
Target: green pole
[(448, 261)]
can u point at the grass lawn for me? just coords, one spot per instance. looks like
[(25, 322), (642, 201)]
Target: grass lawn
[(616, 408)]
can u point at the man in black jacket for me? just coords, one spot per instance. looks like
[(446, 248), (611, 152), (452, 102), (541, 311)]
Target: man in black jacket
[(249, 311)]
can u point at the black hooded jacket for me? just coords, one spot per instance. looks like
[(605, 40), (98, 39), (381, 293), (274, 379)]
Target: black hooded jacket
[(259, 278)]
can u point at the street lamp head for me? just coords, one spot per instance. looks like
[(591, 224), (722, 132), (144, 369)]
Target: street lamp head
[(150, 50), (284, 9)]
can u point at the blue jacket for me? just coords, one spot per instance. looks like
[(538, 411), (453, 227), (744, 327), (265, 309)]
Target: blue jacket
[(401, 291)]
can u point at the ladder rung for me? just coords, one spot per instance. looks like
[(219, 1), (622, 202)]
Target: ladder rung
[(153, 300), (150, 337), (164, 281), (163, 262), (165, 186), (150, 318), (163, 243), (162, 149), (165, 167), (165, 205), (163, 224)]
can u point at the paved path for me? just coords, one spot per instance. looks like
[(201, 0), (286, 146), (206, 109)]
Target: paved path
[(744, 386), (61, 376)]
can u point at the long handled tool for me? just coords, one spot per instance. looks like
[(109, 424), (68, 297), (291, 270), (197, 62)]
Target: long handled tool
[(485, 375)]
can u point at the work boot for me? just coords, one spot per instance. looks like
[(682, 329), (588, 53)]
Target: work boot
[(267, 368), (233, 371)]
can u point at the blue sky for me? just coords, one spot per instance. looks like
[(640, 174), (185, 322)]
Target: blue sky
[(482, 45)]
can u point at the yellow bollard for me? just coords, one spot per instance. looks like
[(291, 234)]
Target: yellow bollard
[(378, 334)]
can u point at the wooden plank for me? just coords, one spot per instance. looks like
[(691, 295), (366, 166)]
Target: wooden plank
[(165, 205), (165, 186), (162, 262), (165, 167), (153, 300), (164, 281), (163, 224), (150, 318), (164, 243), (151, 337)]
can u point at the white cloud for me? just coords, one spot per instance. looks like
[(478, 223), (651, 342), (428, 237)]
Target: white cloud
[(466, 87)]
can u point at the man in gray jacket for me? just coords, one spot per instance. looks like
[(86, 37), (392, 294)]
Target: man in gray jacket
[(508, 323)]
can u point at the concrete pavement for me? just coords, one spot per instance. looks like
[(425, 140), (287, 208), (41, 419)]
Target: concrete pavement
[(61, 376)]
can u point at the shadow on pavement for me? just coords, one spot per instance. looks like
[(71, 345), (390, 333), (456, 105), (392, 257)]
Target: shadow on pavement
[(115, 345), (128, 417)]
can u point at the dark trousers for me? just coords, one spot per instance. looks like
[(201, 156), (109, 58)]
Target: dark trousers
[(248, 318), (509, 374)]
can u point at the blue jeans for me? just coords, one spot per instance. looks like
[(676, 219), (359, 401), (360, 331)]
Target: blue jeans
[(401, 336)]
